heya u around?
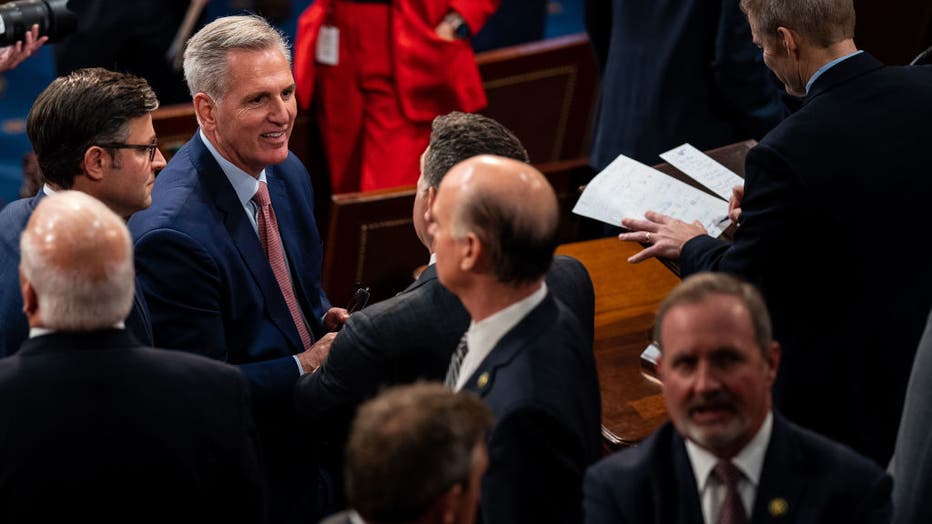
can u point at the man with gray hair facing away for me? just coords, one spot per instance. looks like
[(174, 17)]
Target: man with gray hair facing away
[(96, 427), (416, 455)]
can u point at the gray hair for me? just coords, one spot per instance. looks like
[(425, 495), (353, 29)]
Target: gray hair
[(700, 286), (82, 270), (205, 57), (823, 22)]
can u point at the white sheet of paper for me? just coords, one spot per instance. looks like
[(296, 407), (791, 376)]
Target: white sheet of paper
[(651, 353), (703, 169), (328, 45), (628, 189)]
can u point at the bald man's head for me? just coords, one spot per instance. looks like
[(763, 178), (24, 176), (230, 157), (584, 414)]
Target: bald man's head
[(76, 264), (511, 208)]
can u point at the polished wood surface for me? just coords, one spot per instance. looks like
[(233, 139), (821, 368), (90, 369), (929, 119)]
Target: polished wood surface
[(626, 300)]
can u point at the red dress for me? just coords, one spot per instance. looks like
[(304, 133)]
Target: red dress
[(394, 75)]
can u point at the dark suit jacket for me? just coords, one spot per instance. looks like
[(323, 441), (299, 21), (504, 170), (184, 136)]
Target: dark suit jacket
[(821, 190), (99, 429), (912, 462), (14, 328), (211, 291), (541, 384), (397, 341), (820, 481), (676, 71)]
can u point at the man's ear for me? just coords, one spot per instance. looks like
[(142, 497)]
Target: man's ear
[(449, 503), (471, 252), (204, 108), (772, 357), (431, 196), (96, 161), (30, 299), (789, 40)]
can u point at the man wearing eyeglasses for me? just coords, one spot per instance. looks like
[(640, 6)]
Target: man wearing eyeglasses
[(92, 132)]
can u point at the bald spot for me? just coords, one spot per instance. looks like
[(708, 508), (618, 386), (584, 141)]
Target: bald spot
[(507, 184), (76, 233)]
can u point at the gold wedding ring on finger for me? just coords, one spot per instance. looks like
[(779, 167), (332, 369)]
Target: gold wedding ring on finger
[(647, 237)]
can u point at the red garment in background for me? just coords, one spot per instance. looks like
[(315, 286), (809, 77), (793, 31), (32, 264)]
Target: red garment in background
[(394, 76)]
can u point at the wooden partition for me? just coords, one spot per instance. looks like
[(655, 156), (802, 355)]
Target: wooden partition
[(371, 238), (545, 92)]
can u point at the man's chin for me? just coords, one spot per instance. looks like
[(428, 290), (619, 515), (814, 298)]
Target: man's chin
[(716, 438)]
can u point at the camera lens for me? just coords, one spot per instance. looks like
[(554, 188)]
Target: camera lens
[(52, 16)]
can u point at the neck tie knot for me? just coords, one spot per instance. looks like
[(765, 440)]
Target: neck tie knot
[(453, 372), (262, 195), (728, 473)]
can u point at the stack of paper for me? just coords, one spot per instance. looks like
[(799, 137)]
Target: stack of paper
[(628, 189)]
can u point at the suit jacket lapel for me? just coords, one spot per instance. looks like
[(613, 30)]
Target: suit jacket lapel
[(246, 241), (680, 493), (781, 484), (513, 343)]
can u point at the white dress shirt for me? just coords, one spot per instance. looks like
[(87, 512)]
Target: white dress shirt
[(482, 336), (750, 461)]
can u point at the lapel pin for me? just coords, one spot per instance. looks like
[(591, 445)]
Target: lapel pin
[(483, 380), (778, 507)]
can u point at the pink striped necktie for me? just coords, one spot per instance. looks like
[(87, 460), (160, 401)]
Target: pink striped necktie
[(272, 244), (732, 510)]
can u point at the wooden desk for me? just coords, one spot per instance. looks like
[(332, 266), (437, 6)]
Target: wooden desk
[(626, 300)]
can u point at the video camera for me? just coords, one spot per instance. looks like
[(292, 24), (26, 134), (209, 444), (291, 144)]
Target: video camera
[(53, 17)]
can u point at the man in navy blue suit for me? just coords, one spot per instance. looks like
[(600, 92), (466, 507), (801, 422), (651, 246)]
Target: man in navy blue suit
[(229, 257), (525, 353), (726, 456), (838, 174), (676, 71), (92, 132)]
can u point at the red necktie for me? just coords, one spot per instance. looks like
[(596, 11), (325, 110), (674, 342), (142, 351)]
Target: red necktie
[(732, 510), (272, 244)]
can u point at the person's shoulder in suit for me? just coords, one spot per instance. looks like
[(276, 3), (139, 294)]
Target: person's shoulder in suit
[(13, 325), (623, 487), (398, 340), (849, 486)]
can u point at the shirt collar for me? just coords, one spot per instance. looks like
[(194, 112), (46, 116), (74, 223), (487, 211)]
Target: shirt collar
[(750, 460), (243, 183), (40, 331), (828, 66), (482, 336), (47, 189)]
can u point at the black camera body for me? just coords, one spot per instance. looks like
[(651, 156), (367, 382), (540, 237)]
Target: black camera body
[(52, 16)]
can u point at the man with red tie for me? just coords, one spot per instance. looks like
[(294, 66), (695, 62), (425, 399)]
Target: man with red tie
[(230, 256), (727, 456), (381, 71)]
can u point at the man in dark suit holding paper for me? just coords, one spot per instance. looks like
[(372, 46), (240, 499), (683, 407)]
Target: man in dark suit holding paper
[(820, 190), (726, 456)]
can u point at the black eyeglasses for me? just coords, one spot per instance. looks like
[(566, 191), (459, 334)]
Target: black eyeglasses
[(151, 148)]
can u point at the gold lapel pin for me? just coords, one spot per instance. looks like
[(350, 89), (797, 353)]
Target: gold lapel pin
[(483, 379), (778, 507)]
